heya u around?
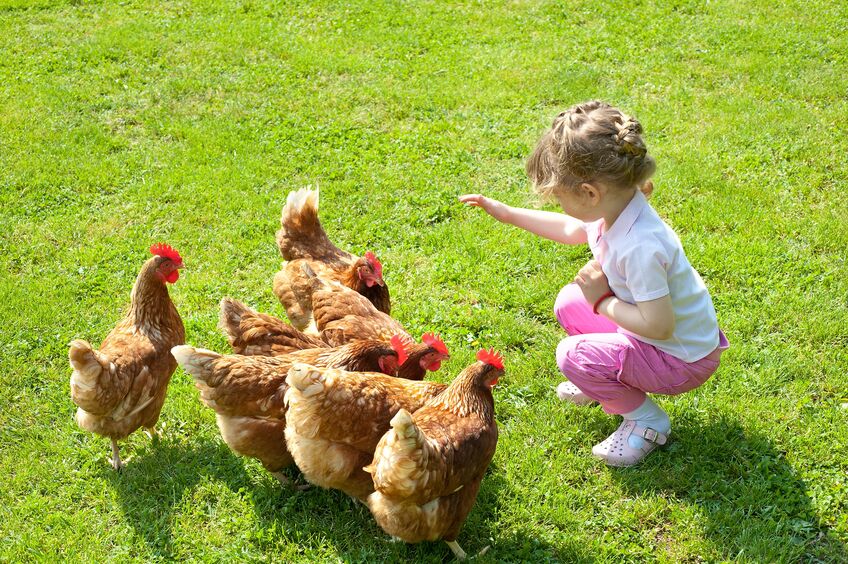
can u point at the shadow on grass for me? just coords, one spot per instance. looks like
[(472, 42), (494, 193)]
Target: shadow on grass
[(333, 518), (755, 506), (158, 478)]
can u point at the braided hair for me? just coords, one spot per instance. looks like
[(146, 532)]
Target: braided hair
[(590, 142)]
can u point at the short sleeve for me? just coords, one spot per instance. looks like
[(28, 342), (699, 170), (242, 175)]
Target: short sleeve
[(593, 235), (645, 269)]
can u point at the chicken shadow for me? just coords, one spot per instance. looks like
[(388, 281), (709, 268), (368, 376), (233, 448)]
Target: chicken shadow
[(754, 503), (159, 476), (518, 546), (348, 526)]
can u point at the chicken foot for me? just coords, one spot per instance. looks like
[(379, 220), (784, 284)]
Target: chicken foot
[(460, 554), (116, 457), (457, 550), (285, 481)]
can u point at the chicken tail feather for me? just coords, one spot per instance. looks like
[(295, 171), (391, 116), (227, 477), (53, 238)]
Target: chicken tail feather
[(403, 425), (88, 365), (197, 362), (307, 379), (230, 317), (298, 202), (400, 457), (299, 215)]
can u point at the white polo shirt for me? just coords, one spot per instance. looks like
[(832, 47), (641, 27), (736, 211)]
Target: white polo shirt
[(643, 260)]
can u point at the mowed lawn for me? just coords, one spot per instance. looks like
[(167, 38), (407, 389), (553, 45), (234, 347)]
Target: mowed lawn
[(127, 123)]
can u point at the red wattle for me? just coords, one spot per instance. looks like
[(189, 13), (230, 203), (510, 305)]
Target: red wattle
[(433, 366)]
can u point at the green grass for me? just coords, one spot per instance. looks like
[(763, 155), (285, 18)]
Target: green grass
[(122, 124)]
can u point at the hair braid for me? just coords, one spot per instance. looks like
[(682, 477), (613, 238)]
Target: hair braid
[(592, 141)]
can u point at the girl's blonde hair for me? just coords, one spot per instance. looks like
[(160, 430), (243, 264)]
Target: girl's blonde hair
[(592, 141)]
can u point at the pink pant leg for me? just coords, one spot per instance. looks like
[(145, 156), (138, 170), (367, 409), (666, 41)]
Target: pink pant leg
[(575, 314), (617, 370), (593, 363), (589, 357)]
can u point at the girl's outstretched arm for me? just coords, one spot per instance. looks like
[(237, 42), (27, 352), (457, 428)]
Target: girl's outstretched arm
[(550, 225)]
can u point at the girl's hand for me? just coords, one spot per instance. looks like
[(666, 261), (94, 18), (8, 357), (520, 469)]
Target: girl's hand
[(592, 281), (494, 208)]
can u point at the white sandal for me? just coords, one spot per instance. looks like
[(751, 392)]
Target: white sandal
[(566, 391), (616, 451)]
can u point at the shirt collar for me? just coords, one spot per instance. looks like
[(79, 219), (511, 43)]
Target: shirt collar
[(627, 217)]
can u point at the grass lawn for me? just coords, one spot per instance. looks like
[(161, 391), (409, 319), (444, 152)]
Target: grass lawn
[(126, 123)]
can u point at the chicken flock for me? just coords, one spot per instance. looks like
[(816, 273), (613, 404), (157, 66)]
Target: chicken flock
[(339, 390)]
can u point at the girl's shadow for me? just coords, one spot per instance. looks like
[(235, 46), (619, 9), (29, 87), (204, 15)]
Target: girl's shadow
[(754, 503)]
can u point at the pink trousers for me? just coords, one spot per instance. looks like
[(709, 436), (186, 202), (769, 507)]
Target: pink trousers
[(615, 369)]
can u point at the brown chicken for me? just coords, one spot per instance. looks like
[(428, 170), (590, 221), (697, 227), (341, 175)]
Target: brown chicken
[(427, 469), (423, 357), (302, 240), (122, 386), (253, 333), (246, 392), (335, 420), (344, 316)]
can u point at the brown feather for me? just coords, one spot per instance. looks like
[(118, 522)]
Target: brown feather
[(253, 333), (302, 239), (247, 392)]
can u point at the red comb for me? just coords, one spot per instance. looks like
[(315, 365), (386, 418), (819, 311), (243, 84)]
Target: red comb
[(436, 342), (399, 345), (375, 264), (167, 251), (491, 357)]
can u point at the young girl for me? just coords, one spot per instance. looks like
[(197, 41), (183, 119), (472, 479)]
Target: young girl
[(639, 317)]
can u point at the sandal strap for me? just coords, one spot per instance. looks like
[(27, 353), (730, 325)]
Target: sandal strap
[(650, 434)]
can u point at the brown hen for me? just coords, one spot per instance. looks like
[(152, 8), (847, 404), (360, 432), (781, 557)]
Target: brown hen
[(427, 469), (302, 240), (122, 386), (335, 420), (343, 316), (247, 392)]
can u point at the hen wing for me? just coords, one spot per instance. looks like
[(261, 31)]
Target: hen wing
[(351, 407), (254, 333), (116, 379), (343, 315)]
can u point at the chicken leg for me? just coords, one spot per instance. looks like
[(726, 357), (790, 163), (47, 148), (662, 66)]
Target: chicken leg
[(457, 550), (116, 457)]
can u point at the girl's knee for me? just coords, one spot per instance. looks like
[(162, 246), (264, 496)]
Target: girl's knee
[(566, 353), (567, 299)]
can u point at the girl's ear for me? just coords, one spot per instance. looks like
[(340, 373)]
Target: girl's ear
[(591, 192)]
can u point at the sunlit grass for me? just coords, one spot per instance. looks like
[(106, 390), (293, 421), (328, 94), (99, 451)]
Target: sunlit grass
[(127, 123)]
